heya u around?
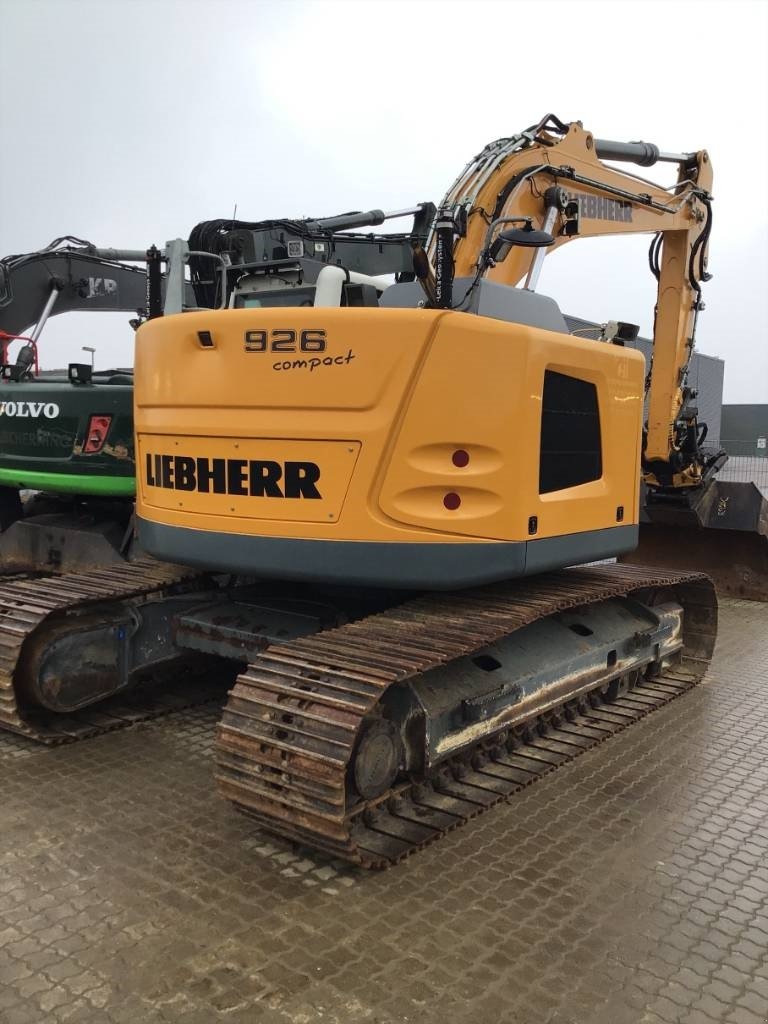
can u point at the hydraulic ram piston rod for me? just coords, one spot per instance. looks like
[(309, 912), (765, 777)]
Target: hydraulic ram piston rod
[(643, 153)]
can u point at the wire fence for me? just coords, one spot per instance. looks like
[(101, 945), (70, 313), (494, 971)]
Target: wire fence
[(746, 462)]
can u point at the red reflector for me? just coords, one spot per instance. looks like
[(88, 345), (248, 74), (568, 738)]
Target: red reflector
[(98, 428), (451, 501)]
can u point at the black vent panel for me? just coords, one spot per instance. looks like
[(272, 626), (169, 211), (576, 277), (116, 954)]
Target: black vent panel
[(570, 433)]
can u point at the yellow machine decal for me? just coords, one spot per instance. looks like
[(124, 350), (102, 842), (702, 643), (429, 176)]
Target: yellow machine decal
[(300, 481)]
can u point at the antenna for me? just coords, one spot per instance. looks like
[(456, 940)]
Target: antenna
[(234, 216)]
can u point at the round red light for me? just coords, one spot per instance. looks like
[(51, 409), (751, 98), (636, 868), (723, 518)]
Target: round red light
[(460, 458), (451, 501)]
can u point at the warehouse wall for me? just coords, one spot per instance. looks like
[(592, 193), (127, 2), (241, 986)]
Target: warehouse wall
[(743, 427), (705, 374)]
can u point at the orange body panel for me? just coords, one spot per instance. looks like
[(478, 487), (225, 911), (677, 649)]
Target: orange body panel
[(381, 411)]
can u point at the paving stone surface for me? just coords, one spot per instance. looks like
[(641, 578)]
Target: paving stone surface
[(629, 887)]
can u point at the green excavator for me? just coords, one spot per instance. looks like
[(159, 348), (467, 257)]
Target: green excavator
[(66, 435)]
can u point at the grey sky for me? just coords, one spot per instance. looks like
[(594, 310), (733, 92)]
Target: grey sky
[(126, 122)]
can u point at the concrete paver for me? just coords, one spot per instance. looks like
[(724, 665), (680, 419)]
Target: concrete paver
[(629, 886)]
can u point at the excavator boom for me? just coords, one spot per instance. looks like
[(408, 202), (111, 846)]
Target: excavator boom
[(555, 176), (79, 276), (683, 501)]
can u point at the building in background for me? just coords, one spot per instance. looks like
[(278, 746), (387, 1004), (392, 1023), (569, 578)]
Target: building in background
[(705, 375), (745, 430)]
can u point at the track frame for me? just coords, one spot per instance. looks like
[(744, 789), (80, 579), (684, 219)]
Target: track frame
[(295, 717)]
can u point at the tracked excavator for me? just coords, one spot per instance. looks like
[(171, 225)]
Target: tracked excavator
[(68, 432), (382, 482), (444, 444)]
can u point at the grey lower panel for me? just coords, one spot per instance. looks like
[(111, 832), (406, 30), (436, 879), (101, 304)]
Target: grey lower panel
[(575, 548), (413, 565)]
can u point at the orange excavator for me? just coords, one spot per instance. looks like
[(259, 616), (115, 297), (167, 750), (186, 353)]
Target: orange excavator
[(444, 434), (411, 385)]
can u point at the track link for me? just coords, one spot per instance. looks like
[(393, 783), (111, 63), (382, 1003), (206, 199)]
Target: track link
[(293, 719), (26, 602)]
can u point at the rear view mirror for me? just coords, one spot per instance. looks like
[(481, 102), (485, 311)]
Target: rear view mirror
[(526, 236)]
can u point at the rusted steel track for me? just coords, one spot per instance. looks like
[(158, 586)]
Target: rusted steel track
[(294, 717), (27, 602)]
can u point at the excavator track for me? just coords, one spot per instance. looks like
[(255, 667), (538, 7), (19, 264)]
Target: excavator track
[(293, 720), (27, 602)]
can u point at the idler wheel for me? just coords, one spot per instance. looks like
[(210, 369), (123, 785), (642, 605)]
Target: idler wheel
[(377, 759)]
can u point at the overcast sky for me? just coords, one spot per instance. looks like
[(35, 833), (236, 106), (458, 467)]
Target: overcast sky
[(128, 121)]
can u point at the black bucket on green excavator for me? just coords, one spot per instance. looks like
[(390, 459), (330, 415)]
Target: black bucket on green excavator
[(723, 531)]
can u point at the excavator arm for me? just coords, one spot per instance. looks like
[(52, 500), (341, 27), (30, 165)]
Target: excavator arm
[(66, 277), (553, 177)]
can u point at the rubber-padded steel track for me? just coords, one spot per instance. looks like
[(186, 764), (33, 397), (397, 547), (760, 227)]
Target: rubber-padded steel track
[(27, 602), (293, 719)]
